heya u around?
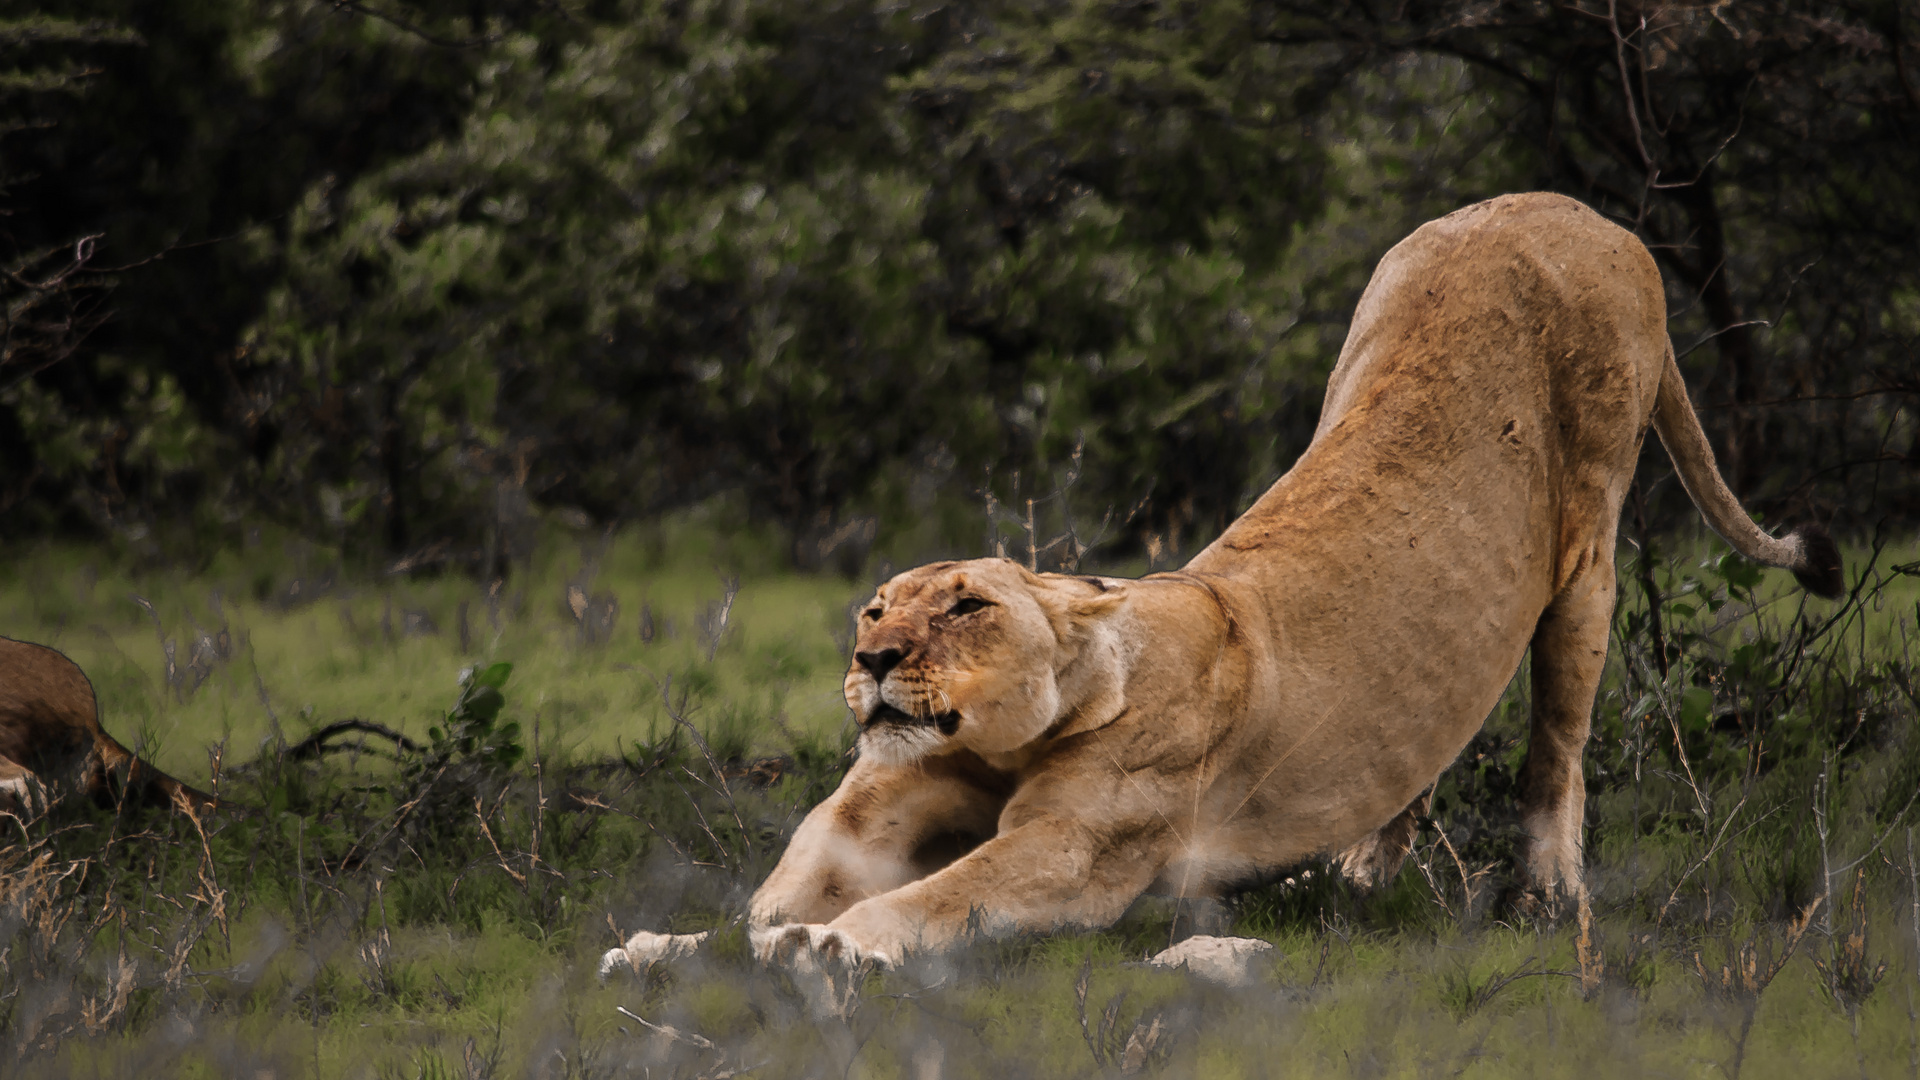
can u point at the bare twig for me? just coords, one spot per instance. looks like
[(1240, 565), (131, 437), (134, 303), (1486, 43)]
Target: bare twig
[(479, 815), (1706, 856)]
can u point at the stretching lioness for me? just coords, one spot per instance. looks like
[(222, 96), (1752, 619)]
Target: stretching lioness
[(1038, 750), (52, 745)]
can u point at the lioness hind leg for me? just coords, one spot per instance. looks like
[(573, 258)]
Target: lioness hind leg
[(1569, 656), (1376, 859)]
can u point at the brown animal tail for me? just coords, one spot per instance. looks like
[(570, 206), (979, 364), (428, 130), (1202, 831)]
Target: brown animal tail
[(1807, 550), (166, 789), (122, 776)]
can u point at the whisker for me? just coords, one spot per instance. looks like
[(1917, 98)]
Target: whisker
[(1279, 761), (1101, 743)]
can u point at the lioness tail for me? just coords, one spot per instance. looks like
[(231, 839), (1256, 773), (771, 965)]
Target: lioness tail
[(1807, 550)]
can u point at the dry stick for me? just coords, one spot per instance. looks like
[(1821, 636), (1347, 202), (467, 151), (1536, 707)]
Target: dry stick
[(1712, 849), (993, 515), (480, 816), (1752, 983), (540, 801), (719, 849), (1500, 980), (400, 817), (1466, 884), (1078, 547), (1644, 574), (1884, 833), (319, 742), (597, 803), (1033, 555), (1820, 825), (670, 1032), (706, 751), (1433, 886), (717, 628), (1680, 749), (300, 864), (1913, 1021), (1633, 109), (1593, 965)]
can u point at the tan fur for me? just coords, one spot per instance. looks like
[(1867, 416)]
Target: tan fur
[(52, 744), (1295, 689)]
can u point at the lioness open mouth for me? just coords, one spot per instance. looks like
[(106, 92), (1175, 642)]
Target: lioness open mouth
[(946, 722)]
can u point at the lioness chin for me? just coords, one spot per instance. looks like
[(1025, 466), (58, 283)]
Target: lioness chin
[(1038, 750)]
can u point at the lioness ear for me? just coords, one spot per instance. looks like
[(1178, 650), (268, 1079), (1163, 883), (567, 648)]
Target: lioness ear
[(1075, 603)]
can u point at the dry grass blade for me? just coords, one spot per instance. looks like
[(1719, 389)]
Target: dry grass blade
[(1747, 971), (480, 815), (1849, 974)]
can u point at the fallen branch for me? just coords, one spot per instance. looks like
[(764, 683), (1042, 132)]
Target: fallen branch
[(316, 744)]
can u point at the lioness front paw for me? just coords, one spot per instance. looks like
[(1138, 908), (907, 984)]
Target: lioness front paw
[(812, 947)]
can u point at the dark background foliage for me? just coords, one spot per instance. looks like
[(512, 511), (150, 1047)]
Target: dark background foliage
[(400, 274)]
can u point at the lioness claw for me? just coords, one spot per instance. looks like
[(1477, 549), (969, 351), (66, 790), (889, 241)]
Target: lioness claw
[(811, 948)]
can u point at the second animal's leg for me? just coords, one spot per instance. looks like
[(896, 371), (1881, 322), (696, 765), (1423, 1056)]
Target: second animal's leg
[(1569, 655), (21, 793)]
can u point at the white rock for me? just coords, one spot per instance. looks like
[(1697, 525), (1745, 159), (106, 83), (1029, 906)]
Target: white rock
[(646, 948), (1228, 961)]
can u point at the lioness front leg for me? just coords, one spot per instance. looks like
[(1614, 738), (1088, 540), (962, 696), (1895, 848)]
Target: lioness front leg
[(1047, 874), (885, 826)]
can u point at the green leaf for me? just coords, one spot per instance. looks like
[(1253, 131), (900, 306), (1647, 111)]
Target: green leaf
[(482, 704), (1696, 708), (494, 675), (1738, 571)]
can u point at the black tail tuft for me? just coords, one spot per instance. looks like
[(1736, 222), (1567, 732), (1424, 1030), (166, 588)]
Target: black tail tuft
[(1819, 569)]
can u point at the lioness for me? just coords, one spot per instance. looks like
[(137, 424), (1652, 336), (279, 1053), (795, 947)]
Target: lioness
[(52, 744), (1037, 750)]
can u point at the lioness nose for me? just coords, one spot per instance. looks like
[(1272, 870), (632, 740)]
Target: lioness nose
[(879, 663)]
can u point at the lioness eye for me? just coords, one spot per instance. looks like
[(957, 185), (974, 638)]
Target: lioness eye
[(872, 613), (967, 606)]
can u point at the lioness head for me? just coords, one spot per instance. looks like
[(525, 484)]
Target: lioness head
[(983, 655)]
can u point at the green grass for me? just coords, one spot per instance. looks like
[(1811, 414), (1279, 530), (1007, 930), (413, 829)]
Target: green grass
[(361, 922), (309, 644)]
